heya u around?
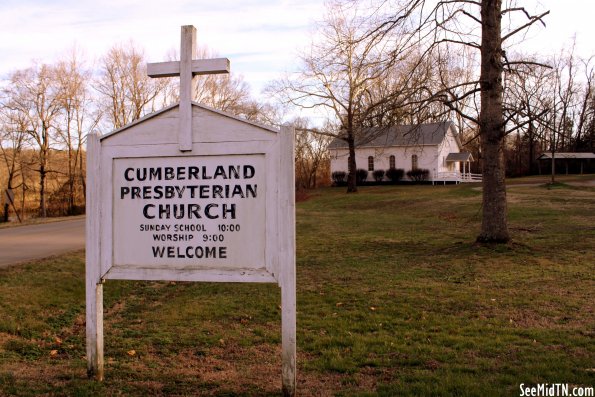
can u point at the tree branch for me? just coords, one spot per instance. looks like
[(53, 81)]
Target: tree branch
[(533, 19)]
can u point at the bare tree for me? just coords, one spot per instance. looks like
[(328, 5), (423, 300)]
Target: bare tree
[(34, 94), (478, 25), (586, 113), (528, 89), (311, 153), (554, 108), (230, 93), (568, 101), (78, 117), (226, 92), (343, 73), (13, 136), (126, 92)]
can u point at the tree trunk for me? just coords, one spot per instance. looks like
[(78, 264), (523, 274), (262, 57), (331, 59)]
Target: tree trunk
[(531, 148), (351, 166), (494, 225), (71, 192), (82, 175), (9, 188), (553, 175), (42, 206)]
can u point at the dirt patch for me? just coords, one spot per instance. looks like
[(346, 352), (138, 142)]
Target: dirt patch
[(589, 183), (58, 374), (4, 337), (301, 195), (448, 216)]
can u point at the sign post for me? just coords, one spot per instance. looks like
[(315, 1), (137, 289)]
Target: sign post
[(191, 194)]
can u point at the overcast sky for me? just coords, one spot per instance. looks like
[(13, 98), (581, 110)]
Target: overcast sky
[(261, 37)]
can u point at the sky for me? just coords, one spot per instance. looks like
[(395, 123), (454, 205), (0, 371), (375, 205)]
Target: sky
[(260, 37)]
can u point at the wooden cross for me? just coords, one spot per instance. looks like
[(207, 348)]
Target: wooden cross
[(187, 68)]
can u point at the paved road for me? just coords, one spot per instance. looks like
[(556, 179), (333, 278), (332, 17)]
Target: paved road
[(25, 243)]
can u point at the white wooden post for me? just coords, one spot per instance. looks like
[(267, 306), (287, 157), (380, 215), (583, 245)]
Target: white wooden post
[(287, 259), (94, 286)]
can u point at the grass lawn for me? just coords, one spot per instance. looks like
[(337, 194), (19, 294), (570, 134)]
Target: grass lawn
[(394, 298)]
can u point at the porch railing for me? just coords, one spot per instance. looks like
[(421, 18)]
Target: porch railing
[(455, 176)]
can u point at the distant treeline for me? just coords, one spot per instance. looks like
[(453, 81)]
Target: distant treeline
[(47, 110)]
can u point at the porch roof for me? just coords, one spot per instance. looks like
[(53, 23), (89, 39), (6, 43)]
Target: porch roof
[(456, 157)]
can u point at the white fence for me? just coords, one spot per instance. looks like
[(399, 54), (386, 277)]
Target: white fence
[(455, 176)]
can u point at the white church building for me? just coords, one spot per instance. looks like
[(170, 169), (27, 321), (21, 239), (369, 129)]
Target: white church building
[(435, 147)]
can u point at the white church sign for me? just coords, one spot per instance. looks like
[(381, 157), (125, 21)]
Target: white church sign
[(192, 194), (190, 212)]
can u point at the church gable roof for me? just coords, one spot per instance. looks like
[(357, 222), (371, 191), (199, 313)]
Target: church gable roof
[(401, 135)]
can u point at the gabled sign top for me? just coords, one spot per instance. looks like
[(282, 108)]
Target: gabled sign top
[(187, 68)]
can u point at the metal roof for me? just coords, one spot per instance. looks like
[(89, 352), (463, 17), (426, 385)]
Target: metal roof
[(567, 155), (462, 156), (401, 135)]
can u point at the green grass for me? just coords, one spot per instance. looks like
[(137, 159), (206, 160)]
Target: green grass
[(394, 298)]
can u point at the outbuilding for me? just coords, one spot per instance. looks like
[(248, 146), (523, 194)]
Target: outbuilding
[(573, 162)]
